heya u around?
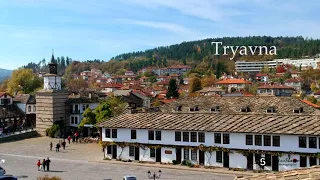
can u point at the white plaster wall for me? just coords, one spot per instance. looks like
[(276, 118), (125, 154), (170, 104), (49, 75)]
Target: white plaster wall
[(211, 161), (167, 158), (237, 141), (145, 155), (237, 160)]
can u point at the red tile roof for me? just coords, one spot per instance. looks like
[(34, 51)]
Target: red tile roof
[(262, 74), (112, 85), (317, 93), (4, 93), (311, 104), (294, 80), (234, 81)]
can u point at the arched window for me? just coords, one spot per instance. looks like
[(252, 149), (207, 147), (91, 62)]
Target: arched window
[(29, 108)]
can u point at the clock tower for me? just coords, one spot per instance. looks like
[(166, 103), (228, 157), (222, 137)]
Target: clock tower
[(51, 107)]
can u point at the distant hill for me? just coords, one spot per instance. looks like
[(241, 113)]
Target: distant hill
[(4, 73)]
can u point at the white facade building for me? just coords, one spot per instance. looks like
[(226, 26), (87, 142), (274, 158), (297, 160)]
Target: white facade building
[(218, 132), (256, 66)]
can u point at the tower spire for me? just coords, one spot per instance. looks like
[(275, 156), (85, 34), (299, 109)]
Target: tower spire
[(52, 57)]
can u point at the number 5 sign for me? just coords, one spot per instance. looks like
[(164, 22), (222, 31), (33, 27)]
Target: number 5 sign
[(262, 161)]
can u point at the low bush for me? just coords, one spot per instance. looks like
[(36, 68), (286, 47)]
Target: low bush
[(47, 177), (174, 162), (184, 163), (189, 163)]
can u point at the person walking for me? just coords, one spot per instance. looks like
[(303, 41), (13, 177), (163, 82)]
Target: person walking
[(73, 139), (51, 146), (48, 163), (44, 164), (69, 138), (64, 145), (57, 147), (39, 164)]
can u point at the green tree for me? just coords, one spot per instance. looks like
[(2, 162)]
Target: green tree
[(24, 81), (89, 117), (103, 111), (287, 75), (113, 106), (195, 85), (172, 89)]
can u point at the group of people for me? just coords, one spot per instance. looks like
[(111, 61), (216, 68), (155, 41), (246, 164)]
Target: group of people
[(44, 165), (63, 143)]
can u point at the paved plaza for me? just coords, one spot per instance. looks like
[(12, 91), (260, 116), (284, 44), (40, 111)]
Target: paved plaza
[(81, 162)]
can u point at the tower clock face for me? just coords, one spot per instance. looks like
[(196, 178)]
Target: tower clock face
[(53, 69)]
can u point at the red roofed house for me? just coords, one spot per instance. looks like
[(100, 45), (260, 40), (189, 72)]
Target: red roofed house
[(262, 77), (111, 87), (311, 104), (238, 84), (274, 90), (295, 83)]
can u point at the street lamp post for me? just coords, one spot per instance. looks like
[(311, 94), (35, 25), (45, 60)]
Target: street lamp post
[(154, 175)]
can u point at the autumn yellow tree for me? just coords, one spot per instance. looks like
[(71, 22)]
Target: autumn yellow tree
[(195, 85), (208, 81), (76, 85), (23, 81)]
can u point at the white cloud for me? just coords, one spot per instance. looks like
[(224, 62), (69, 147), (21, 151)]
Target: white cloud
[(175, 28)]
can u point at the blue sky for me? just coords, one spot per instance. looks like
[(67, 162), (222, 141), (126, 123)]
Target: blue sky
[(101, 29)]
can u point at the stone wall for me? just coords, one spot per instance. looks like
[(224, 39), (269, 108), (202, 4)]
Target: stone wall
[(17, 137), (50, 108)]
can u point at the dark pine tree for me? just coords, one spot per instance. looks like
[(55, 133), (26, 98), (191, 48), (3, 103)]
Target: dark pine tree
[(172, 89)]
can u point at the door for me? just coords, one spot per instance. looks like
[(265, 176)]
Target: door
[(114, 151), (178, 155), (250, 161), (158, 155), (225, 160), (137, 153), (275, 163), (201, 157)]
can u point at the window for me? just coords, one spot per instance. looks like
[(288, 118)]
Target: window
[(178, 136), (302, 142), (72, 120), (107, 133), (201, 137), (313, 161), (245, 109), (193, 137), (75, 120), (131, 151), (194, 155), (258, 140), (312, 142), (271, 110), (219, 156), (298, 110), (133, 134), (114, 133), (226, 139), (249, 139), (186, 154), (185, 136), (34, 109), (29, 108), (267, 140), (276, 141), (76, 108), (83, 107), (71, 108), (303, 161), (158, 135), (217, 138), (151, 135), (268, 159), (152, 152), (215, 109), (179, 108), (109, 148)]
